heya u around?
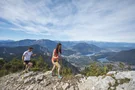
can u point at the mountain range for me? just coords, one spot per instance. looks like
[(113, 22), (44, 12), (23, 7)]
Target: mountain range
[(127, 56), (85, 48), (67, 44), (50, 45), (10, 49), (27, 42)]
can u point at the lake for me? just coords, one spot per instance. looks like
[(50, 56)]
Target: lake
[(103, 60)]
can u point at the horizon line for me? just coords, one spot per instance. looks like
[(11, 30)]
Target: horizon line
[(68, 40)]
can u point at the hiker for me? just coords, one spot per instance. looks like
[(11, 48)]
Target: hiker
[(27, 57), (55, 59)]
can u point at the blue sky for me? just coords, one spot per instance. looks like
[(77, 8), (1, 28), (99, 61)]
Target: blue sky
[(100, 20)]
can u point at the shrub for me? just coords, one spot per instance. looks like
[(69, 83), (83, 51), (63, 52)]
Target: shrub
[(12, 66), (2, 62), (35, 69), (121, 65), (16, 65), (66, 71), (95, 69), (3, 72), (39, 64)]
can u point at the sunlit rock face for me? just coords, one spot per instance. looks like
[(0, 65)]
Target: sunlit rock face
[(114, 80)]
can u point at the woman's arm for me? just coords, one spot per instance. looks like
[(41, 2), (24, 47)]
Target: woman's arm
[(55, 57)]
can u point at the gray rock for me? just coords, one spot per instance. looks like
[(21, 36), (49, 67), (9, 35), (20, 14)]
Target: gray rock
[(7, 82), (29, 80), (112, 88), (111, 73), (43, 81), (122, 87), (125, 74), (65, 86), (29, 74), (104, 84), (79, 76), (87, 84), (71, 88), (47, 73), (31, 87), (40, 77), (131, 85)]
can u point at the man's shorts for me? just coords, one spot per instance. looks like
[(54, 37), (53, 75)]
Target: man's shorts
[(26, 62)]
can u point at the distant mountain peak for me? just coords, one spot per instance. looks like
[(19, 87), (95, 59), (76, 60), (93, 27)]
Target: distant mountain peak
[(85, 48)]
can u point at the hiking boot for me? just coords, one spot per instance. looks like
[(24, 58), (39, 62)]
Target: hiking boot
[(59, 76), (52, 74)]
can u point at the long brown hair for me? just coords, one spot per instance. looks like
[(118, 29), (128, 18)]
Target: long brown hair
[(57, 48)]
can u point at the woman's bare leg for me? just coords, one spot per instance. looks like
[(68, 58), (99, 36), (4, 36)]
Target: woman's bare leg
[(53, 68), (59, 67)]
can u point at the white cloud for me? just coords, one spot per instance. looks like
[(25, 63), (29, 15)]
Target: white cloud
[(104, 20)]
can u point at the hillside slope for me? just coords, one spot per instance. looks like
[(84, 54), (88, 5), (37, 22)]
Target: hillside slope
[(43, 81), (127, 56)]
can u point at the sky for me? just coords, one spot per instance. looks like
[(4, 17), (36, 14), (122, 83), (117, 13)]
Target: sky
[(68, 20)]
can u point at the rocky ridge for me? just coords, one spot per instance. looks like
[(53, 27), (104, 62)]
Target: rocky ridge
[(44, 81)]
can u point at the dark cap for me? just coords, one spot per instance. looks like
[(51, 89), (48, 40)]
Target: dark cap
[(30, 47)]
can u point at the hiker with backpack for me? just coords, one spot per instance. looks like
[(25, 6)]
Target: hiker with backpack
[(26, 57), (55, 59)]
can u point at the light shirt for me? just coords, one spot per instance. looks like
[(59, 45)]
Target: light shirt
[(27, 55)]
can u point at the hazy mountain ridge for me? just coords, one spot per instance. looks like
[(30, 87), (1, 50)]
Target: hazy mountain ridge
[(50, 45), (27, 42), (71, 43), (20, 49), (85, 48), (127, 56)]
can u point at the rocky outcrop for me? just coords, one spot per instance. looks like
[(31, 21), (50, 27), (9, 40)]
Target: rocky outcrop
[(44, 81)]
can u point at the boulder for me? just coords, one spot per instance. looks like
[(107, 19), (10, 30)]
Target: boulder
[(131, 85), (29, 80), (104, 84), (29, 74), (123, 75), (40, 77), (48, 73), (65, 86), (122, 87), (111, 73)]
